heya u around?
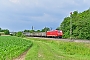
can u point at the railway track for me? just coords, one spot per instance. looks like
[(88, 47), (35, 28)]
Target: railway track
[(60, 39)]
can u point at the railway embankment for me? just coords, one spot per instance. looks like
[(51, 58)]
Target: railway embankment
[(61, 39)]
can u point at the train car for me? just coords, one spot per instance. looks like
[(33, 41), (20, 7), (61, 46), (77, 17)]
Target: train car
[(54, 33), (39, 34)]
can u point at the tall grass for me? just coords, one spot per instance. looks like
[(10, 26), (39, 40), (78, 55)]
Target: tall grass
[(72, 49), (59, 50)]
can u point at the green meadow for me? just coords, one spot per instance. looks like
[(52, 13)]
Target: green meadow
[(42, 49), (57, 50)]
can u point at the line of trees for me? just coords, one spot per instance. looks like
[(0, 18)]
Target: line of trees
[(43, 30), (80, 25), (6, 31), (20, 33)]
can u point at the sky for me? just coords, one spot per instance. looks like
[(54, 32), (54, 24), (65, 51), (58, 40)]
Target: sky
[(18, 15)]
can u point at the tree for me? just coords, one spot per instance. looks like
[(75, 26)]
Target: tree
[(6, 32), (58, 28), (0, 29), (31, 31), (26, 30), (45, 29), (19, 34), (80, 25), (38, 31)]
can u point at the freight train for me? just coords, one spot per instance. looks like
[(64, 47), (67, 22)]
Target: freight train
[(53, 33)]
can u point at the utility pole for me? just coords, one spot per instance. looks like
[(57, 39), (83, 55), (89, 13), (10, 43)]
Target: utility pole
[(89, 9), (71, 26)]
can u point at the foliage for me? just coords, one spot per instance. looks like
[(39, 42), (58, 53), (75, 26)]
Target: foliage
[(80, 25), (0, 29), (19, 34), (6, 31), (58, 28), (31, 31), (38, 31), (11, 47), (43, 49), (45, 29), (26, 30)]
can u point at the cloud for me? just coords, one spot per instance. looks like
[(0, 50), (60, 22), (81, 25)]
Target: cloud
[(44, 18), (40, 13), (14, 1)]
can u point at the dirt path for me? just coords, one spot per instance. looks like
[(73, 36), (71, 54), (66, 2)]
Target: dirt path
[(21, 57)]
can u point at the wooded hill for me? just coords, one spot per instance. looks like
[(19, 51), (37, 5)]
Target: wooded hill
[(80, 25)]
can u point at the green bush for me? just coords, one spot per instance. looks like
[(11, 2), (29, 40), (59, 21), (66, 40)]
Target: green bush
[(19, 34)]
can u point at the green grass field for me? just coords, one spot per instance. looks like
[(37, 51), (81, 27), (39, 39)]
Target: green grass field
[(12, 47), (42, 49), (57, 50)]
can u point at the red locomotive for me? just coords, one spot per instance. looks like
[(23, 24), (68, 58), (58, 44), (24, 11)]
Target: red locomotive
[(54, 33)]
